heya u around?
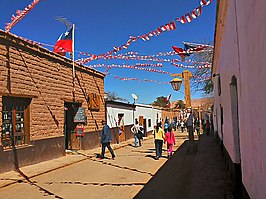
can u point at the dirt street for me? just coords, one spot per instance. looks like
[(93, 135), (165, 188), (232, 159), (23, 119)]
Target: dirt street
[(133, 174), (123, 177)]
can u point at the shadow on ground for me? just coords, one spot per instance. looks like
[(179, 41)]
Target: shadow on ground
[(173, 178)]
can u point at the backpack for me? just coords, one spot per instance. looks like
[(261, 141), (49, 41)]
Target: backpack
[(140, 134)]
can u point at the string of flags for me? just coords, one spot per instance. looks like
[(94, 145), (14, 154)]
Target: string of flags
[(144, 57), (200, 78), (139, 80), (188, 49), (137, 68), (143, 67), (186, 18), (191, 66), (133, 55), (167, 27), (19, 15)]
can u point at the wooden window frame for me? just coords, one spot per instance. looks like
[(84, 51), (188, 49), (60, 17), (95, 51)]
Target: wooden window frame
[(16, 117)]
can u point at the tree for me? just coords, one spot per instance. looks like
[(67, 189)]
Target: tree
[(202, 76), (160, 101), (180, 104), (112, 96)]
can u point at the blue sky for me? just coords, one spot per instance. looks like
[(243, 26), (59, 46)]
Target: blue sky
[(101, 25)]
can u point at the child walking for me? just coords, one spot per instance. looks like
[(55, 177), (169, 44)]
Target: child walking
[(170, 140)]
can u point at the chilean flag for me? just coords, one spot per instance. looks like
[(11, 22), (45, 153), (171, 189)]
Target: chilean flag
[(64, 42), (167, 99), (182, 53), (178, 50)]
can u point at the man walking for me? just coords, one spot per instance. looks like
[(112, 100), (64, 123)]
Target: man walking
[(106, 139), (190, 121)]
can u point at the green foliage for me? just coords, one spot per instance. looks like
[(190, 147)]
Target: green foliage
[(160, 101), (112, 96), (180, 104)]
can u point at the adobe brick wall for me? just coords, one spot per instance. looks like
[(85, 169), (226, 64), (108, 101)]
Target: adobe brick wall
[(169, 114), (31, 71)]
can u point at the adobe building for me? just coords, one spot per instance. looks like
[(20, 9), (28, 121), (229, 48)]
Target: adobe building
[(43, 111)]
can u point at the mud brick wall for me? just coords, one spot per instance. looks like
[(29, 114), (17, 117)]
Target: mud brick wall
[(30, 71)]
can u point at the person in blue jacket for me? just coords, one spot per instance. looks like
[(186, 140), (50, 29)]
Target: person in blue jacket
[(106, 139)]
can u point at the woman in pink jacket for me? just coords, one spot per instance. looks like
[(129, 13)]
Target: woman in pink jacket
[(170, 140)]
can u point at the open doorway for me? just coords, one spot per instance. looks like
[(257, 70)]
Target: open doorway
[(71, 141), (236, 172), (235, 120)]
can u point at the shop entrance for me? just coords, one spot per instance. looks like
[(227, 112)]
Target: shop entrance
[(71, 141)]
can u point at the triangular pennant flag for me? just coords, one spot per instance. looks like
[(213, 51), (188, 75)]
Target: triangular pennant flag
[(188, 17)]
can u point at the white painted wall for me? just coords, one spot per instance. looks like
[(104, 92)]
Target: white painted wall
[(157, 115), (112, 114), (147, 111)]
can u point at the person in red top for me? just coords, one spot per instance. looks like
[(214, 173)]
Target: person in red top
[(170, 140)]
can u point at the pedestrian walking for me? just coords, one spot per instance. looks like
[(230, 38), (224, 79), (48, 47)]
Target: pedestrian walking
[(190, 128), (136, 130), (158, 133), (197, 126), (106, 139), (166, 125), (182, 125), (170, 141), (207, 127)]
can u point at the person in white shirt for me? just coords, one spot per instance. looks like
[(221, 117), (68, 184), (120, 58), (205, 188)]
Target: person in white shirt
[(190, 122), (136, 130)]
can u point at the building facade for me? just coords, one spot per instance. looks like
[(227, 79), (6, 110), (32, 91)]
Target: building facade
[(239, 82), (121, 117), (43, 110)]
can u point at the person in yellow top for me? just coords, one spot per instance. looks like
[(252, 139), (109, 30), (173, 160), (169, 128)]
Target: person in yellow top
[(158, 133)]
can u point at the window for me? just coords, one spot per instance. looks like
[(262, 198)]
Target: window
[(15, 121), (219, 86), (149, 122), (121, 121)]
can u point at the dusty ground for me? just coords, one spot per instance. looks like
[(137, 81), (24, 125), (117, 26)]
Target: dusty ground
[(133, 174)]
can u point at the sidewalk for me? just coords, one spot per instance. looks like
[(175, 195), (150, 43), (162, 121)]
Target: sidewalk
[(210, 179), (200, 175), (34, 170)]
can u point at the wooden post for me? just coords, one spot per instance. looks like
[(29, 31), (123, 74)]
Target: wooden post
[(186, 75)]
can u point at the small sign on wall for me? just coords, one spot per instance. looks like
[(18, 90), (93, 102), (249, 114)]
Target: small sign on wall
[(94, 101), (79, 131), (80, 116)]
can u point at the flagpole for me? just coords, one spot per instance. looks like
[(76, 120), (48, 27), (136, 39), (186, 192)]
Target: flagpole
[(73, 59)]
